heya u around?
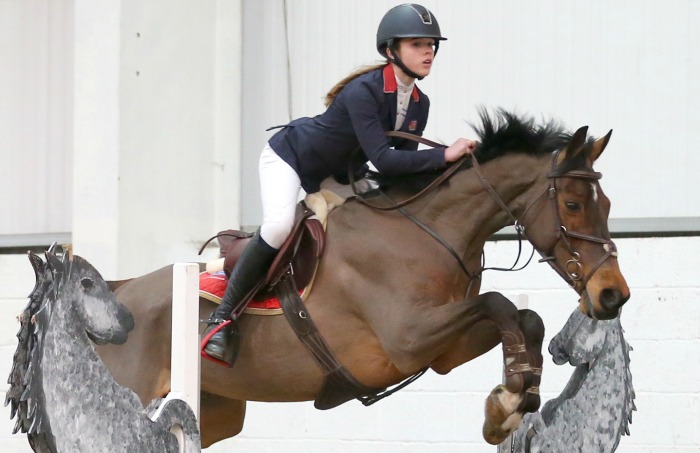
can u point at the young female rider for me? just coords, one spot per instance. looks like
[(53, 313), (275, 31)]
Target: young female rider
[(361, 109)]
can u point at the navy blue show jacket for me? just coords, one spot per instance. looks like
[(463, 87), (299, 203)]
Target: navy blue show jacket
[(359, 116)]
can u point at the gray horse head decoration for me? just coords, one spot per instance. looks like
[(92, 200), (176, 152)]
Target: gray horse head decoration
[(62, 394), (92, 304), (595, 408)]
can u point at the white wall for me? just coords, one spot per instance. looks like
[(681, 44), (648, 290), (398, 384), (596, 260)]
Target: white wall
[(623, 65), (35, 117), (120, 127), (156, 131), (443, 414)]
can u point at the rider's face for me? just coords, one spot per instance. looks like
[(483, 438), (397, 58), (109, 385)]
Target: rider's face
[(417, 54)]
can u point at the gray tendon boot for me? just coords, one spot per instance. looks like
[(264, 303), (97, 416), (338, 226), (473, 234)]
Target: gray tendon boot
[(249, 269)]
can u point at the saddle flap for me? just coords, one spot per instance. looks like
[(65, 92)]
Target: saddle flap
[(303, 248), (231, 245)]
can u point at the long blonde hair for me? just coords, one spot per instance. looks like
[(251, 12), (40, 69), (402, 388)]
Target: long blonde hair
[(330, 96)]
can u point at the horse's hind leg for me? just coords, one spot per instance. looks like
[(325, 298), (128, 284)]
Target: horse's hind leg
[(220, 418)]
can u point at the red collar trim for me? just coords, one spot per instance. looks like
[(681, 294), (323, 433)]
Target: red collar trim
[(390, 85)]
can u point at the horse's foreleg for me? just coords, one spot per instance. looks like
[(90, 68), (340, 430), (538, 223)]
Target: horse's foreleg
[(532, 328), (521, 337), (516, 362)]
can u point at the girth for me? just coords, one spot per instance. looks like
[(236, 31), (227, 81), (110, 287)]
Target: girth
[(339, 385)]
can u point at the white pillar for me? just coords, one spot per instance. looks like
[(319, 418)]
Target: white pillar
[(96, 47)]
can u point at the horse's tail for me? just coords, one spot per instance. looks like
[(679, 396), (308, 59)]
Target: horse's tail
[(177, 417)]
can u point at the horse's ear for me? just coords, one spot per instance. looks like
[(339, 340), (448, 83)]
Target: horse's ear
[(575, 145), (577, 141), (599, 146)]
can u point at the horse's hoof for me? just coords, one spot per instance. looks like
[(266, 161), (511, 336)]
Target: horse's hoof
[(500, 417)]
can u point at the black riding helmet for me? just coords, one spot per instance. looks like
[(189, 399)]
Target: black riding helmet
[(407, 21)]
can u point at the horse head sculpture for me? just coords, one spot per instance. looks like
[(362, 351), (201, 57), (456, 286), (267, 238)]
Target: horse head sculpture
[(64, 397), (91, 301), (595, 408)]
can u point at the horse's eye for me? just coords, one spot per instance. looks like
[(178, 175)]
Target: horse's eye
[(573, 206), (87, 283)]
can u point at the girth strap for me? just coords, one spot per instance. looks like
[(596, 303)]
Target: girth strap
[(339, 386)]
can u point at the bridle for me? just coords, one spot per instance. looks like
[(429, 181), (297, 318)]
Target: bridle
[(571, 272)]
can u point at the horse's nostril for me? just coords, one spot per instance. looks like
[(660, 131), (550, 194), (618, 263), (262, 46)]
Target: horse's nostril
[(611, 299)]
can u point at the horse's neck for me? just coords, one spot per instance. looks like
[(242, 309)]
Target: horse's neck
[(516, 178)]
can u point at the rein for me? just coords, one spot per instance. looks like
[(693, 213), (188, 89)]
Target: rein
[(571, 272), (435, 183)]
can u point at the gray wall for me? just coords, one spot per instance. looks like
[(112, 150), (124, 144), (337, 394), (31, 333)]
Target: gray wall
[(622, 65)]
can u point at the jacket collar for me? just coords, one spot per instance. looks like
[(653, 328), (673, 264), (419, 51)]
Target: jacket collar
[(390, 85)]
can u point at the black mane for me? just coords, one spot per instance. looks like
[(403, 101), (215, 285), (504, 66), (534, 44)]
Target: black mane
[(500, 133)]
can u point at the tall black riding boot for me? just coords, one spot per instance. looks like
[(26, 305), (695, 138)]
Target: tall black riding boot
[(249, 269)]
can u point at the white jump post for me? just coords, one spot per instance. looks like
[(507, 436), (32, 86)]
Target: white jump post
[(185, 357), (520, 301), (185, 361)]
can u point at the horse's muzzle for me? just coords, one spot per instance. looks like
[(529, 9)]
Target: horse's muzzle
[(610, 300)]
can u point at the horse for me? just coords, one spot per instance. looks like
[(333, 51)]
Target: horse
[(391, 300), (595, 408), (60, 390)]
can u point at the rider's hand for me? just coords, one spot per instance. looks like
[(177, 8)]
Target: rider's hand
[(459, 148)]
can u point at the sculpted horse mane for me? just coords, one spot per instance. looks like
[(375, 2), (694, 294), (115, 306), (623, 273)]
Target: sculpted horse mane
[(25, 395), (60, 391), (385, 311)]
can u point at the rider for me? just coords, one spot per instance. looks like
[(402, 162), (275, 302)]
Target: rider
[(360, 109)]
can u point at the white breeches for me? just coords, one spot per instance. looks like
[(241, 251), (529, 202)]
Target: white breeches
[(279, 190)]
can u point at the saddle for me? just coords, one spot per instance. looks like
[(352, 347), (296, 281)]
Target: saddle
[(302, 250)]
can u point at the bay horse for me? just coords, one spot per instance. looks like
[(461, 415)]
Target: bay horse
[(390, 300)]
